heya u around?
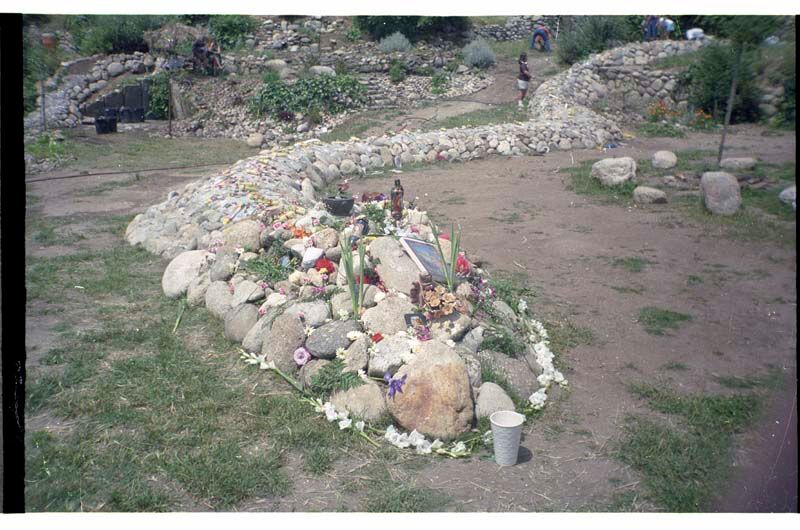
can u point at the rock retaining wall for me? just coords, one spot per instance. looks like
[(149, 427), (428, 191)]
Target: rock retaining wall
[(516, 27)]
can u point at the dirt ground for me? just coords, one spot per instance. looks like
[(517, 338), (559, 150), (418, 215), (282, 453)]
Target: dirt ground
[(517, 215)]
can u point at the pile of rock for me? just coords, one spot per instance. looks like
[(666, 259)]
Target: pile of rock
[(305, 322), (515, 27)]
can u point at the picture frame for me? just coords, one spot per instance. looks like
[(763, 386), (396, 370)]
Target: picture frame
[(426, 257)]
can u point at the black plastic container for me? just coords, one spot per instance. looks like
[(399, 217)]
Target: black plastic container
[(112, 113), (125, 115), (112, 124), (339, 206), (101, 125), (138, 114)]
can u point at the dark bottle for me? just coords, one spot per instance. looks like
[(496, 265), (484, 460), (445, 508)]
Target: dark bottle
[(397, 201)]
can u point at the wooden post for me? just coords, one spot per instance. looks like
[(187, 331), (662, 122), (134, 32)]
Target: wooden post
[(169, 106), (44, 112), (731, 99)]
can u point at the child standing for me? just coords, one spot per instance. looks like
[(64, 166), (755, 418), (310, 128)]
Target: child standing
[(523, 78)]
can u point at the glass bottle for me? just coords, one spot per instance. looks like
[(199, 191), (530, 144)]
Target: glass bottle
[(397, 201)]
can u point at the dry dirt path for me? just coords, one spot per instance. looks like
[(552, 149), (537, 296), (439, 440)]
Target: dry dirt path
[(501, 91)]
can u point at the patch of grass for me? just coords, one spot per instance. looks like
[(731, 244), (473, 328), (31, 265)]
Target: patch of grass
[(108, 186), (693, 280), (390, 497), (565, 334), (330, 378), (49, 231), (625, 289), (660, 130), (682, 465), (657, 321), (767, 201), (489, 374), (675, 61), (675, 366), (581, 182), (786, 172), (511, 218), (510, 49), (771, 380), (632, 264), (318, 460), (269, 266), (503, 113), (502, 340), (488, 20), (358, 124)]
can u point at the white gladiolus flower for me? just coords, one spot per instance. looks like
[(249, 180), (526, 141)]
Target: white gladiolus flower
[(437, 444), (363, 375), (354, 335), (309, 330), (522, 306), (344, 424), (450, 343), (330, 411), (360, 426), (459, 447)]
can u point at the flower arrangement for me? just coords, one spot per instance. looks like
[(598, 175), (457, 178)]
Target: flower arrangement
[(450, 265), (439, 302), (355, 283)]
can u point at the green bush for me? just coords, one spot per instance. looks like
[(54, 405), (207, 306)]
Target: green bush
[(229, 29), (114, 33), (158, 97), (354, 34), (787, 108), (478, 54), (329, 93), (396, 42), (397, 72), (708, 80), (582, 36), (438, 83), (37, 64), (414, 27)]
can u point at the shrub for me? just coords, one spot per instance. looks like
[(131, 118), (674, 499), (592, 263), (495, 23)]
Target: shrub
[(584, 35), (396, 42), (478, 53), (708, 80), (115, 33), (229, 29), (158, 96), (397, 72), (413, 26), (330, 93), (438, 83), (788, 106), (37, 64), (354, 34)]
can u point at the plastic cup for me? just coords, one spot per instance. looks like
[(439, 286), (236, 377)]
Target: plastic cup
[(506, 432)]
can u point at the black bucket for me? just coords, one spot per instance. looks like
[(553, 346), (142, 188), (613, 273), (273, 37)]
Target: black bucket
[(138, 114), (112, 113), (101, 125), (112, 124), (125, 115)]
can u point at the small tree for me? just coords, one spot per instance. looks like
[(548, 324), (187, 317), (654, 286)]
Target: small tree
[(745, 32)]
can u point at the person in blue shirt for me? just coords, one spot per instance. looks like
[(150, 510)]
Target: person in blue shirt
[(541, 37)]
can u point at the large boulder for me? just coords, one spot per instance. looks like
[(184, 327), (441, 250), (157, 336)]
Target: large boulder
[(517, 372), (325, 340), (239, 321), (247, 291), (721, 193), (436, 398), (648, 195), (218, 299), (182, 270), (279, 344), (322, 70), (309, 370), (244, 234), (196, 291), (388, 316), (491, 398), (357, 356), (313, 313), (115, 69), (389, 355), (395, 268), (364, 401), (789, 196), (614, 171), (664, 159), (255, 140), (738, 163)]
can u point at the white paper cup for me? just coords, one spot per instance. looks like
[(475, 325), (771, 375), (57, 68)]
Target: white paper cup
[(506, 432)]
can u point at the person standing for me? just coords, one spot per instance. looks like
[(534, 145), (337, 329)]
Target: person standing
[(541, 36), (523, 78)]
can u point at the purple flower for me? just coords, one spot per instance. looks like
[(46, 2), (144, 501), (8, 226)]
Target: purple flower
[(423, 333), (395, 385), (301, 356)]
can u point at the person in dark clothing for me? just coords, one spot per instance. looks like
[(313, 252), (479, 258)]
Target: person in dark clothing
[(523, 78), (650, 27), (541, 38), (200, 54)]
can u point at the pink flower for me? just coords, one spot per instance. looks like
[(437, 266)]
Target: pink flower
[(276, 225), (315, 221), (264, 285), (325, 277), (301, 315), (301, 356), (282, 291), (262, 311)]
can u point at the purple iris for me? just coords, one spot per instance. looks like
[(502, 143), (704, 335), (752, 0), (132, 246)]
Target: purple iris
[(395, 385), (423, 333)]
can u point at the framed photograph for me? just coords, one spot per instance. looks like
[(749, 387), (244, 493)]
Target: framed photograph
[(426, 256)]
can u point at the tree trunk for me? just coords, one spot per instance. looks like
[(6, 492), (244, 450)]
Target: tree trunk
[(731, 97)]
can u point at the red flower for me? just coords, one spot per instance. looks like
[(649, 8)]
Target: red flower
[(323, 263), (376, 337), (462, 265)]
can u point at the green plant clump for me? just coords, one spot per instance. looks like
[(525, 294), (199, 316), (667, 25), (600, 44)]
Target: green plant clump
[(582, 36), (478, 54), (114, 33), (396, 42), (438, 83), (413, 27), (158, 96), (230, 29), (329, 93), (397, 72), (331, 378)]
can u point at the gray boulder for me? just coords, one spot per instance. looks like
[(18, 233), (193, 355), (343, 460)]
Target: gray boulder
[(614, 171), (244, 234), (196, 291), (647, 195), (312, 314), (182, 270), (246, 291), (389, 355), (357, 356), (395, 268), (388, 316), (115, 69), (365, 401), (279, 344), (218, 299), (721, 193), (255, 140), (664, 159), (516, 371), (309, 370), (789, 196), (325, 340), (492, 398), (239, 321), (322, 70), (738, 163)]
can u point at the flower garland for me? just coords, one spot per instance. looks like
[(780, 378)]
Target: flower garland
[(540, 344)]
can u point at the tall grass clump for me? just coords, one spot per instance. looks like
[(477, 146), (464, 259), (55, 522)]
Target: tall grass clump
[(231, 29), (582, 36), (396, 42), (355, 282), (478, 54), (114, 33), (450, 274)]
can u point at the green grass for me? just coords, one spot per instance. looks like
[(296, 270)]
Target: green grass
[(657, 321), (581, 182), (49, 231), (358, 124), (503, 340), (510, 49), (675, 61), (489, 374), (632, 264), (660, 130), (626, 289), (503, 113), (674, 366), (682, 465), (694, 280), (488, 20), (771, 380), (767, 201), (565, 334), (785, 172), (391, 497)]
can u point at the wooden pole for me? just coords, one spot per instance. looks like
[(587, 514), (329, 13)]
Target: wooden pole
[(44, 112), (731, 97), (169, 106)]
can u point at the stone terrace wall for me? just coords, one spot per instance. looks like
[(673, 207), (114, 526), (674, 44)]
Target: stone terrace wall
[(516, 27), (561, 119)]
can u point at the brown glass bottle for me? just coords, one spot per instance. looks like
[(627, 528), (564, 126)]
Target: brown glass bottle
[(397, 200)]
